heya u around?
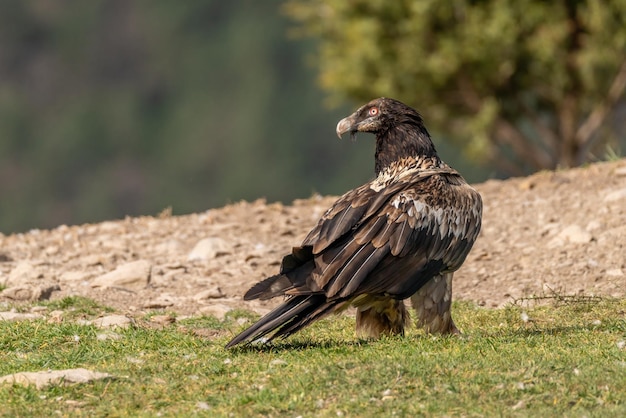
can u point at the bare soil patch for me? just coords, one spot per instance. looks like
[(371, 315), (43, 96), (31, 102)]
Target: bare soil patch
[(562, 231)]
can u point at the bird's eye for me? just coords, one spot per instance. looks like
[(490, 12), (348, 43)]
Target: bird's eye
[(373, 111)]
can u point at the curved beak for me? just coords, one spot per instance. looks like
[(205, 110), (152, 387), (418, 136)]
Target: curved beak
[(346, 125)]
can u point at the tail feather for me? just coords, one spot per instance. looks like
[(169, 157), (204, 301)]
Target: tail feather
[(291, 316), (295, 271), (269, 288), (320, 312)]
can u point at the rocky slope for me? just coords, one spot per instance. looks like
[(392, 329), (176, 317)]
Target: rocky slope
[(562, 232)]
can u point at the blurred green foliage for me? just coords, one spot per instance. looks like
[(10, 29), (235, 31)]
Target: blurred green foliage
[(522, 85), (112, 108)]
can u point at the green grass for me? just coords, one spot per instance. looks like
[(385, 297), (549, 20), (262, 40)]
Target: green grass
[(566, 360)]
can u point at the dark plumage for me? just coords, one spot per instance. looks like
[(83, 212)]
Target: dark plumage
[(400, 236)]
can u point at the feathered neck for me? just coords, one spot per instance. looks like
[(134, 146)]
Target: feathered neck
[(402, 141)]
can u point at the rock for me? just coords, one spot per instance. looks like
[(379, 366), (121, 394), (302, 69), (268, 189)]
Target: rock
[(108, 335), (56, 316), (615, 273), (132, 276), (19, 293), (615, 195), (24, 272), (74, 276), (527, 184), (593, 225), (217, 310), (519, 405), (111, 321), (94, 259), (163, 319), (32, 293), (278, 362), (16, 316), (158, 304), (214, 293), (575, 234), (52, 377), (209, 248), (204, 406)]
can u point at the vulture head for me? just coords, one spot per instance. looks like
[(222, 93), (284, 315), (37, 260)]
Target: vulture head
[(399, 130), (379, 116)]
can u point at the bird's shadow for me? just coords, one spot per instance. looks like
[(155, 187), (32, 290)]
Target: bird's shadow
[(513, 332), (298, 345)]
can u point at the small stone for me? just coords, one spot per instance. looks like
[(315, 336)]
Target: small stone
[(108, 335), (615, 195), (93, 259), (524, 317), (217, 310), (575, 234), (527, 184), (134, 360), (593, 225), (278, 362), (132, 276), (519, 405), (56, 315), (73, 276), (24, 272), (209, 248), (29, 293), (111, 321), (615, 273), (16, 316), (214, 293), (43, 379), (157, 304), (203, 406), (163, 319), (52, 250), (18, 293)]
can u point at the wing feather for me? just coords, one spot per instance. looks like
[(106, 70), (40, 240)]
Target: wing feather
[(368, 231), (387, 240), (337, 226), (355, 270), (400, 238)]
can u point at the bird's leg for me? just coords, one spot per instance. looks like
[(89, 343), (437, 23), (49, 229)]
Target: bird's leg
[(382, 316), (432, 305)]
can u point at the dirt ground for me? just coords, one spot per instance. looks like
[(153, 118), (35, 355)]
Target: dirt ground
[(561, 232)]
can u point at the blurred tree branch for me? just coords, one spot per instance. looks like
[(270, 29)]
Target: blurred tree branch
[(522, 86)]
